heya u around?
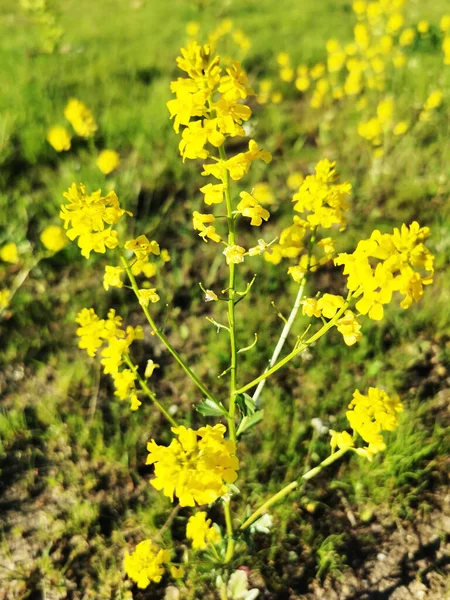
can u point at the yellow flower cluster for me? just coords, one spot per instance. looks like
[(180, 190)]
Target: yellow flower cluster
[(94, 333), (372, 414), (321, 199), (86, 215), (379, 39), (145, 564), (5, 298), (196, 466), (433, 102), (81, 118), (386, 263), (209, 105), (201, 531), (322, 202)]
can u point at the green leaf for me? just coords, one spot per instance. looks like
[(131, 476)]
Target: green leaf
[(250, 421), (210, 408), (246, 405)]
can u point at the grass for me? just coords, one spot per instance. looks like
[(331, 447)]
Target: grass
[(73, 482)]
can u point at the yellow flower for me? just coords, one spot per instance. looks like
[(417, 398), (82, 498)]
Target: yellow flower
[(201, 531), (59, 138), (5, 297), (108, 161), (350, 327), (249, 207), (370, 415), (91, 331), (9, 253), (192, 28), (86, 215), (263, 194), (54, 238), (234, 254), (148, 295), (434, 100), (407, 37), (445, 23), (145, 564), (310, 308), (81, 118), (202, 223), (112, 277), (324, 200), (423, 26), (210, 296), (401, 128), (329, 304), (341, 440), (194, 470), (143, 247), (214, 193), (294, 181), (177, 572), (149, 369), (283, 59)]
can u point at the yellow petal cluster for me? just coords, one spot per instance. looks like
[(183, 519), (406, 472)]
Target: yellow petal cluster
[(370, 415), (145, 564), (9, 253), (197, 465), (323, 200), (201, 531), (249, 207), (95, 333), (388, 263), (87, 216)]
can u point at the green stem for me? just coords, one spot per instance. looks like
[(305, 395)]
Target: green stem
[(322, 331), (231, 303), (229, 525), (148, 391), (162, 337), (288, 325), (292, 486)]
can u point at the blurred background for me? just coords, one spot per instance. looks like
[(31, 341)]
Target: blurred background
[(362, 83)]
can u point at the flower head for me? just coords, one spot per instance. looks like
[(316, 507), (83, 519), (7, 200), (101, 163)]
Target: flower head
[(59, 138), (196, 466), (145, 564), (108, 161), (54, 238), (201, 531)]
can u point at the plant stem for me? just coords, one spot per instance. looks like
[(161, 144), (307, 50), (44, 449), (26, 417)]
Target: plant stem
[(148, 391), (229, 525), (292, 486), (233, 350), (297, 350), (162, 337), (290, 321), (231, 303)]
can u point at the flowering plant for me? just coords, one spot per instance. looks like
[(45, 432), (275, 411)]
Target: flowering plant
[(200, 467)]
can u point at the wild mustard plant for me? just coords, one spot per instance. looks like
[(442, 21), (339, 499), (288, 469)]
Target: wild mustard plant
[(200, 467)]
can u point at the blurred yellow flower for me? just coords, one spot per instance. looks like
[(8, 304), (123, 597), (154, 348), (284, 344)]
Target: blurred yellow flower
[(108, 161), (9, 253), (54, 238), (5, 296), (59, 138), (81, 118)]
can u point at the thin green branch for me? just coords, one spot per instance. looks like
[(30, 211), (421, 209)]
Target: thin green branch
[(162, 337)]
